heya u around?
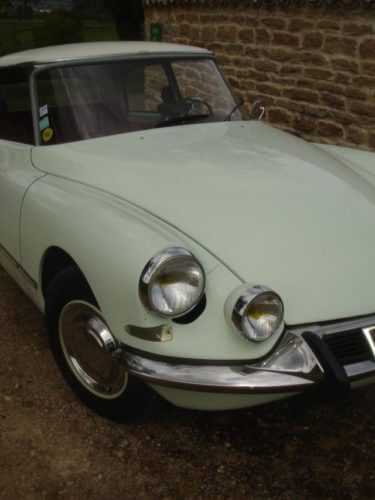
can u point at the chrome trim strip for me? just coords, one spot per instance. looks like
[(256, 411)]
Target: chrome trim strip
[(215, 379), (28, 278), (336, 327), (9, 256), (361, 370), (162, 333), (292, 368), (369, 333), (18, 266)]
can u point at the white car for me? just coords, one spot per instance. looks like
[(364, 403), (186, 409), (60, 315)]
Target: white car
[(173, 245)]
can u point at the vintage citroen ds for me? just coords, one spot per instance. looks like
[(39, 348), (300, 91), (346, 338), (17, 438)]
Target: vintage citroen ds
[(173, 245)]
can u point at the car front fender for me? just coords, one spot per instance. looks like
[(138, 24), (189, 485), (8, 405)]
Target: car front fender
[(111, 241)]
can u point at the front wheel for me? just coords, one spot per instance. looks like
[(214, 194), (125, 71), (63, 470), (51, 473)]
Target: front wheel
[(82, 345)]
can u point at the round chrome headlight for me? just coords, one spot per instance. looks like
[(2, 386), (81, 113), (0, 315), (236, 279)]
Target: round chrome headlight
[(172, 282), (258, 313)]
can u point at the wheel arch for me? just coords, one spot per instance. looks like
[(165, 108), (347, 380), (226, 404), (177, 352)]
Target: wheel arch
[(53, 262), (64, 223)]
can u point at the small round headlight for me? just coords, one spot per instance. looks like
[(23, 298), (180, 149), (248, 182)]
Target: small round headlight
[(258, 313), (172, 282)]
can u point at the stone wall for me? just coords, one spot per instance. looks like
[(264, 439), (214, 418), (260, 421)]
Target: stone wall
[(314, 66)]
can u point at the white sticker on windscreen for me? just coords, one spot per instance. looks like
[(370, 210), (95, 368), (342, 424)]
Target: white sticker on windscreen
[(43, 110)]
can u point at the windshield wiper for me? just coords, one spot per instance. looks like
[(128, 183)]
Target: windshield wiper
[(181, 119), (240, 103)]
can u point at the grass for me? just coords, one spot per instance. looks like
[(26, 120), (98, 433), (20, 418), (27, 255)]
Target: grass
[(18, 35)]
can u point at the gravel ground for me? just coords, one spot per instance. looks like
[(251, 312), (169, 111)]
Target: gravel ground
[(51, 446)]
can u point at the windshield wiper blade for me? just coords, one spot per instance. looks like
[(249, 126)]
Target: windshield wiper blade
[(181, 119), (240, 103)]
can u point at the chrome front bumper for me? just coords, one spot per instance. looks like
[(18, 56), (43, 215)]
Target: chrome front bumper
[(300, 362)]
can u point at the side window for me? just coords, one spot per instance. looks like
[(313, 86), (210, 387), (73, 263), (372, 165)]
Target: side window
[(144, 88), (15, 109)]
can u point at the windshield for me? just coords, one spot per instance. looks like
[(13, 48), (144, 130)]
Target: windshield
[(93, 100)]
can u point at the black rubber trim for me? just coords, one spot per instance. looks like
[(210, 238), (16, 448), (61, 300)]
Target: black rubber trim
[(335, 375), (194, 314)]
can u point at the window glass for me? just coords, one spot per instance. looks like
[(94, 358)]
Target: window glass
[(144, 87), (15, 108), (89, 100), (79, 102), (203, 80), (60, 92)]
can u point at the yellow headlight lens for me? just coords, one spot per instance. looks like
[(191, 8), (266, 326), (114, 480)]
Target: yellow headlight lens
[(263, 316)]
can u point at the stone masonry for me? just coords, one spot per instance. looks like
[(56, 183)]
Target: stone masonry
[(314, 66)]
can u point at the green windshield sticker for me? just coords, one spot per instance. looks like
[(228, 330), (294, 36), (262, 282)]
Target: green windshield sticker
[(44, 123)]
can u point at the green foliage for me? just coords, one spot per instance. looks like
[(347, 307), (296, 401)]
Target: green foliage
[(128, 16), (58, 28), (16, 35), (20, 35), (17, 9), (99, 32), (67, 26)]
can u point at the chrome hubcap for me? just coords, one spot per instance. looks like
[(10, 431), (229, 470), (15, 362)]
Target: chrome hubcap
[(88, 345)]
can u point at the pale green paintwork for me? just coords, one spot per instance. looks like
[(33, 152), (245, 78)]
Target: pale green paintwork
[(363, 160), (95, 50), (16, 174), (272, 208), (195, 400), (111, 241), (253, 204)]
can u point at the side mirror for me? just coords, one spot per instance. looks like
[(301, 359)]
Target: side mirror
[(258, 109)]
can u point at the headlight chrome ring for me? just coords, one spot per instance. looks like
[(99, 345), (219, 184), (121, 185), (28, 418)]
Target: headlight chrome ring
[(172, 283), (258, 313)]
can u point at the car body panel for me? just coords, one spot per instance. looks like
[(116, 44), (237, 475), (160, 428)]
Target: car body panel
[(272, 208), (60, 213), (254, 205), (16, 176), (90, 50), (355, 158), (213, 402)]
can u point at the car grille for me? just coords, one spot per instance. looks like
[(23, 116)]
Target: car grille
[(349, 347)]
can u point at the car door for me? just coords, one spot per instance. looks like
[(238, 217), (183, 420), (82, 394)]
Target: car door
[(16, 170)]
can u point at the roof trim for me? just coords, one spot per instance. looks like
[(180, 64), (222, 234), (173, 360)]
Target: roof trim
[(97, 50)]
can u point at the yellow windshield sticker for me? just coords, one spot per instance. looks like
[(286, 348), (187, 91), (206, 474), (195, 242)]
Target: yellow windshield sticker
[(47, 134)]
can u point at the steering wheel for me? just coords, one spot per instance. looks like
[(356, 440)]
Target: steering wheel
[(195, 99), (182, 108)]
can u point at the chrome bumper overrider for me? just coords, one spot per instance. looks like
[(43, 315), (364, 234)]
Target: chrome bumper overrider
[(300, 362)]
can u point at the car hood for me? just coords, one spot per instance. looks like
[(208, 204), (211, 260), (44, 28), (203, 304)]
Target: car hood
[(274, 209)]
